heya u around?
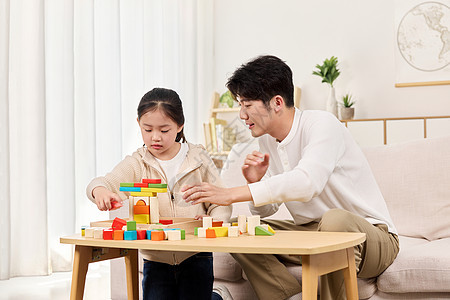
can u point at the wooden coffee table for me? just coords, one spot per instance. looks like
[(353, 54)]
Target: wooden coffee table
[(322, 253)]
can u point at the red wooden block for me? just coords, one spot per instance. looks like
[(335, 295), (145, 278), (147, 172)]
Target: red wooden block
[(166, 222), (118, 223), (140, 184), (157, 235), (116, 204), (141, 234), (217, 224), (210, 233), (108, 234), (145, 180), (118, 234)]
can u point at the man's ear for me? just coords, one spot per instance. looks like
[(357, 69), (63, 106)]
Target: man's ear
[(278, 103)]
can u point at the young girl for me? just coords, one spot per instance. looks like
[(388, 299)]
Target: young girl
[(167, 156)]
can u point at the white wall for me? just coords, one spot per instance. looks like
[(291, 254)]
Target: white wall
[(360, 33)]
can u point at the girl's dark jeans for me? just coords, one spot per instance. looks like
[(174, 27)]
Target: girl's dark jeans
[(192, 279)]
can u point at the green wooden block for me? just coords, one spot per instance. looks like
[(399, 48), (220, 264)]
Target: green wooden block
[(183, 234), (158, 185), (131, 225), (196, 230), (262, 231), (127, 184)]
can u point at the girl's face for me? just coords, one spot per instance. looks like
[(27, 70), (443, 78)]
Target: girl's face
[(159, 133)]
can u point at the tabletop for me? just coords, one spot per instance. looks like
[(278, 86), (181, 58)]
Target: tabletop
[(283, 242)]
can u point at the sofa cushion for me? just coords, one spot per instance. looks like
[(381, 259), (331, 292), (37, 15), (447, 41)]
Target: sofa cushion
[(421, 266), (414, 178)]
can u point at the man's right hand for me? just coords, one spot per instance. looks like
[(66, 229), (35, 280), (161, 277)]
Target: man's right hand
[(105, 199), (255, 166)]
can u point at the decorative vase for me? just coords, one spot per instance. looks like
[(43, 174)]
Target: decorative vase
[(332, 103), (346, 113)]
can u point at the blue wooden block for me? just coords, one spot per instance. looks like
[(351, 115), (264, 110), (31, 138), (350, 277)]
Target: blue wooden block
[(129, 189), (130, 235)]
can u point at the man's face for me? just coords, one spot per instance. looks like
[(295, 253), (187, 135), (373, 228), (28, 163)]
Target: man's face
[(256, 115)]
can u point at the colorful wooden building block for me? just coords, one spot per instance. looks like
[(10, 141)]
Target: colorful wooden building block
[(118, 234), (157, 235), (259, 230), (118, 223), (141, 234), (108, 234), (130, 235), (210, 233), (131, 225), (220, 231)]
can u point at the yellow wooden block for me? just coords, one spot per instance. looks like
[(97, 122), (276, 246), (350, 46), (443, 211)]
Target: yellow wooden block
[(220, 231), (154, 190), (234, 224), (270, 229), (142, 218), (143, 194)]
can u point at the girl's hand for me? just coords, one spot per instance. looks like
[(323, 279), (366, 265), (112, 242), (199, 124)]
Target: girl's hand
[(255, 166), (206, 192), (200, 217), (105, 199)]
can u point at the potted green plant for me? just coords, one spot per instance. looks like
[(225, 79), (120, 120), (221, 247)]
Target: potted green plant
[(329, 72), (346, 109)]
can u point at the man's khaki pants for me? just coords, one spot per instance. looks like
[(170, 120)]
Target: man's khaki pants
[(271, 280)]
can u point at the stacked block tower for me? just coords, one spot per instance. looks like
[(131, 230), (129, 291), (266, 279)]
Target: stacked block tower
[(143, 199)]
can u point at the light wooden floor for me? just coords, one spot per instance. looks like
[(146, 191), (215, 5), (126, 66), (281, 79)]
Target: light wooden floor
[(57, 285)]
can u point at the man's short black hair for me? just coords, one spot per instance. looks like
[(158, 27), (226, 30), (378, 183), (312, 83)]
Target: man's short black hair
[(261, 79)]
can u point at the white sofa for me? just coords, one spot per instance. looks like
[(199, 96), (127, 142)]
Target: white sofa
[(414, 178)]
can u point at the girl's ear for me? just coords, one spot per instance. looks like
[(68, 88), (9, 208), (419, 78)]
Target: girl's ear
[(180, 128), (137, 119)]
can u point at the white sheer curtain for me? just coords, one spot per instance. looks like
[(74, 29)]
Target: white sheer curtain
[(71, 75)]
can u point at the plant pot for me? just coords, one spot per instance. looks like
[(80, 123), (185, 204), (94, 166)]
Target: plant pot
[(332, 103), (346, 113)]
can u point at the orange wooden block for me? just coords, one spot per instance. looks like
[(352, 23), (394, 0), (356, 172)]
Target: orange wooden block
[(141, 234), (141, 202), (118, 234), (141, 209), (157, 235), (108, 234), (145, 180), (217, 224), (210, 233)]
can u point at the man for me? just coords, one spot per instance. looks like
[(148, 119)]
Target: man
[(309, 161)]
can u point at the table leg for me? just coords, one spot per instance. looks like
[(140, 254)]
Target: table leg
[(351, 284), (80, 266), (316, 265), (131, 264), (309, 278)]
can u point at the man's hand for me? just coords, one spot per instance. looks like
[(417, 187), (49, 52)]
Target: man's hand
[(206, 192), (105, 199), (255, 166)]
